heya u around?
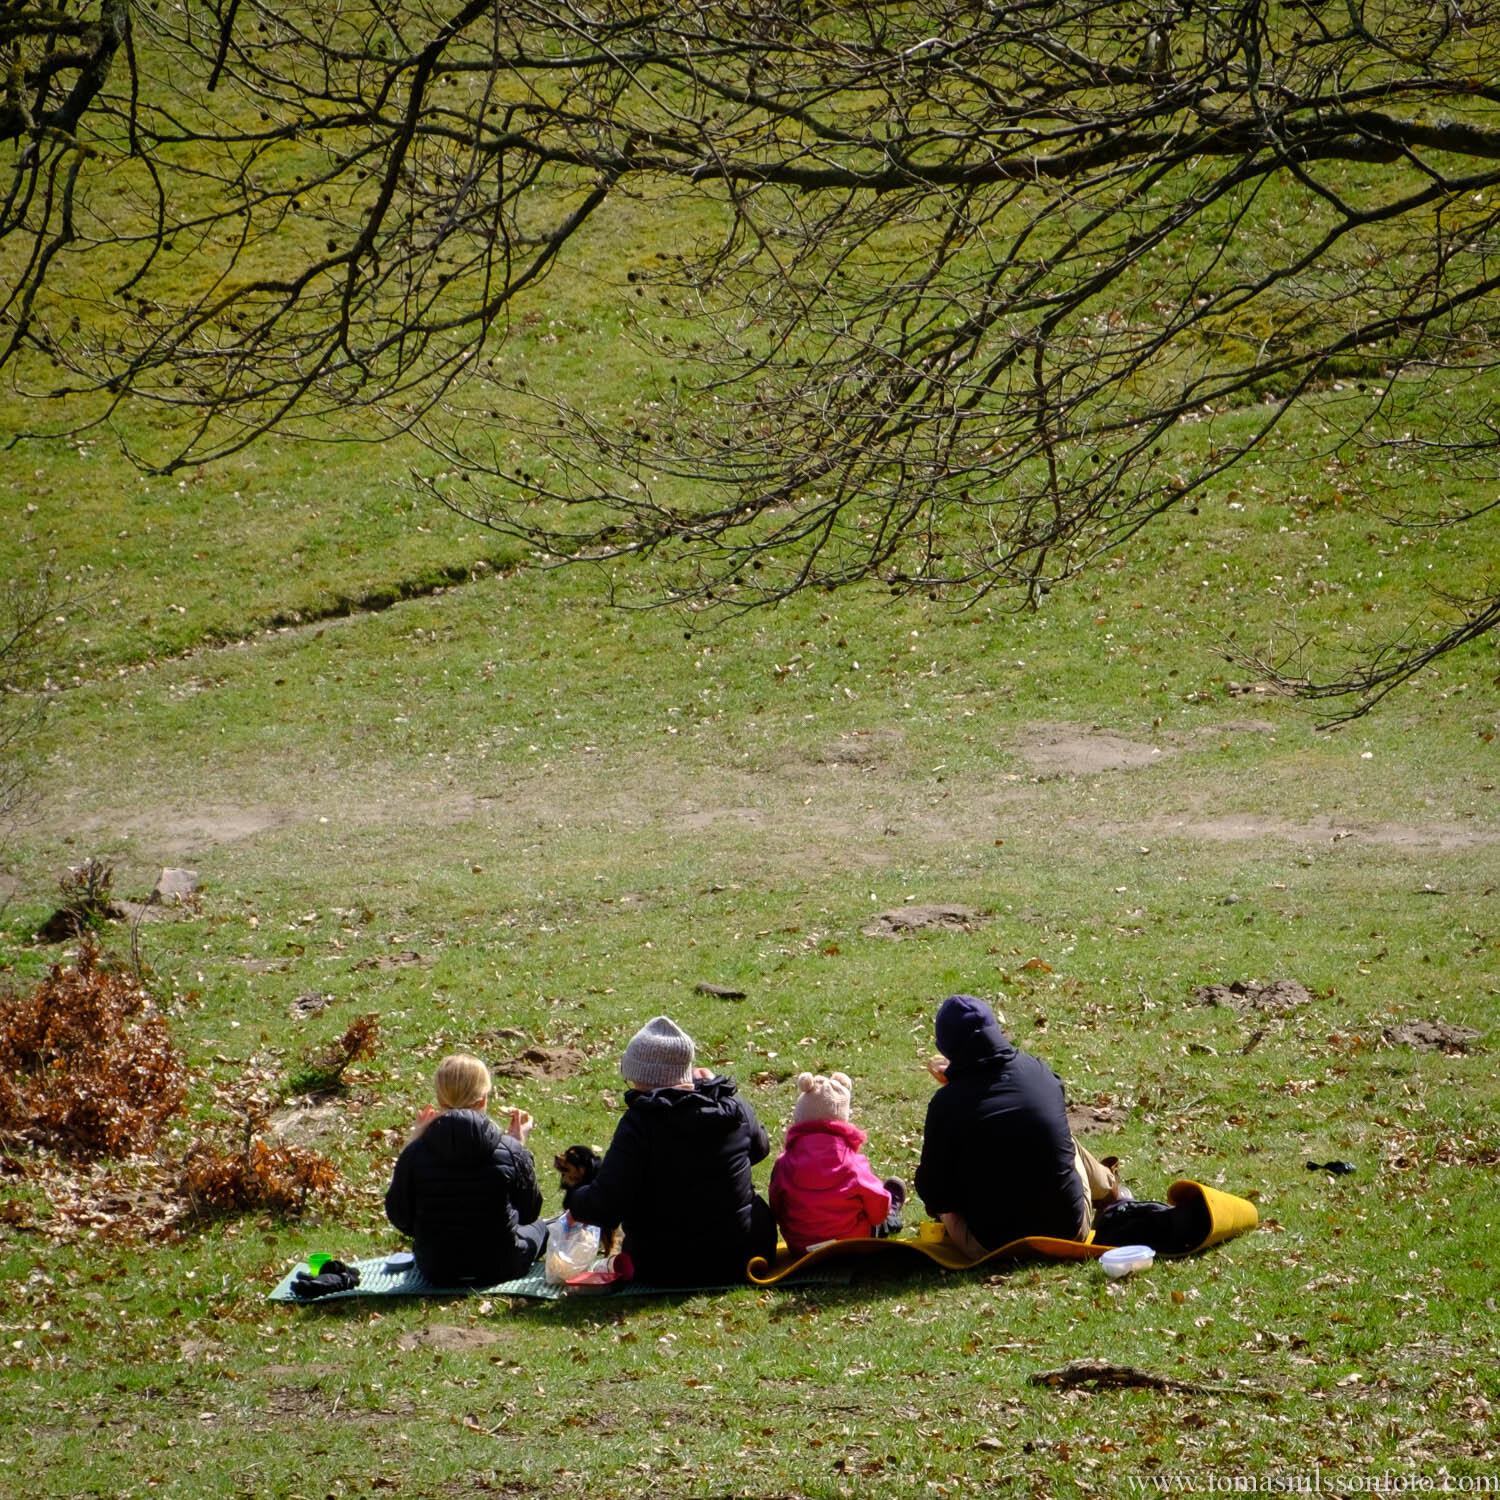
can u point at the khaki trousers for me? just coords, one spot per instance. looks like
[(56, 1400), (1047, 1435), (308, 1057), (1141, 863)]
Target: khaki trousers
[(1100, 1184)]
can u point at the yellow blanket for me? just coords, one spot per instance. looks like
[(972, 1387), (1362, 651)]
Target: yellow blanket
[(1227, 1217)]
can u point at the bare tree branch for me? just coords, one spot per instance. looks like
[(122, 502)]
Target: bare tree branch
[(940, 284), (1386, 667)]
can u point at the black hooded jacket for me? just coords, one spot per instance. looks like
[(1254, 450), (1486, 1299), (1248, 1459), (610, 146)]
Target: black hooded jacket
[(460, 1190), (997, 1148), (676, 1177)]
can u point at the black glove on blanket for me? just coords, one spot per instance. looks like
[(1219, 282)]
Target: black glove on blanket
[(334, 1277)]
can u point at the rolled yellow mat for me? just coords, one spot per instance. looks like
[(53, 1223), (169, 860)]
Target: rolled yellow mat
[(1227, 1215)]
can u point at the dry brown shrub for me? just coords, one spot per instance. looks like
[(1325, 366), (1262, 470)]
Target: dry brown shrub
[(88, 1070), (87, 1067), (279, 1177), (322, 1069)]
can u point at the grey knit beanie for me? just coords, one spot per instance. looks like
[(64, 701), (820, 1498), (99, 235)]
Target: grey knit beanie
[(659, 1055)]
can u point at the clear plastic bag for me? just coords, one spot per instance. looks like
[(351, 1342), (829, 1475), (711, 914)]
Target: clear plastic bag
[(571, 1249)]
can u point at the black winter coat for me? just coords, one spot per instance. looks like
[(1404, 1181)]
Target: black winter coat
[(997, 1148), (676, 1177), (460, 1190)]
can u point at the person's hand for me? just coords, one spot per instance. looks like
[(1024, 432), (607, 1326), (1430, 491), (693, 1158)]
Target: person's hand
[(427, 1116), (520, 1125), (938, 1067), (702, 1073)]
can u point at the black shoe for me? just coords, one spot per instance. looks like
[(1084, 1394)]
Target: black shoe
[(897, 1189)]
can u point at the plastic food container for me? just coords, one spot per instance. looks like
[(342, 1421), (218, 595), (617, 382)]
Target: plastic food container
[(1124, 1259)]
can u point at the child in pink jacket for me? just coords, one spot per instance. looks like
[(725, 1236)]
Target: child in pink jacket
[(822, 1186)]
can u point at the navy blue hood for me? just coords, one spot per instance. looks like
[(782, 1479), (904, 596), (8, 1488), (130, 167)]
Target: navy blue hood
[(967, 1032)]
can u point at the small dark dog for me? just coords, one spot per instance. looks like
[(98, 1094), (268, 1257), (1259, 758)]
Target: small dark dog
[(576, 1166)]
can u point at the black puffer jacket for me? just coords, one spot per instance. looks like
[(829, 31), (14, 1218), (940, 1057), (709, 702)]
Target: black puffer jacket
[(677, 1178), (997, 1148), (460, 1190)]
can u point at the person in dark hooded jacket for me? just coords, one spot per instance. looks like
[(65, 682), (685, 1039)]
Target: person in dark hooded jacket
[(466, 1194), (676, 1177), (998, 1158)]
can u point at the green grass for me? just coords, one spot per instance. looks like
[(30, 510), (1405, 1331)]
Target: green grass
[(572, 815)]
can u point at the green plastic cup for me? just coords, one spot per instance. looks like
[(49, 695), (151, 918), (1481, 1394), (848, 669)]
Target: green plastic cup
[(315, 1263)]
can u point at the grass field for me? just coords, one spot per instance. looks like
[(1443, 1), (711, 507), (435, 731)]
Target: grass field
[(421, 778), (503, 816)]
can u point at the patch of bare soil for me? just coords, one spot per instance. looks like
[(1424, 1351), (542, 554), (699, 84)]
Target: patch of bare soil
[(1309, 833), (1090, 1119), (1278, 997), (1071, 750), (543, 1062), (403, 960), (1079, 750), (307, 1124), (1432, 1036), (322, 1403), (906, 921), (695, 820), (1217, 732), (312, 1370), (448, 1337), (488, 1483), (861, 747), (145, 911), (176, 834)]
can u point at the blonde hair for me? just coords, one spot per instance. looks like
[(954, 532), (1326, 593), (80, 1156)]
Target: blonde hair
[(461, 1082)]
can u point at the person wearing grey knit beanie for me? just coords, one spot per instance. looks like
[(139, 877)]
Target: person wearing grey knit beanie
[(676, 1177), (659, 1056)]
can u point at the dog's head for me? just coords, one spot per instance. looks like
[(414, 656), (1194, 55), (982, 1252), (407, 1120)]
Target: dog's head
[(577, 1165)]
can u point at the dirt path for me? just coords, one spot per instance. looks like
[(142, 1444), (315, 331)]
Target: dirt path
[(850, 804)]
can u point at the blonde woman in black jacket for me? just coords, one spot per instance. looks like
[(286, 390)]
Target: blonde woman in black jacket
[(466, 1193)]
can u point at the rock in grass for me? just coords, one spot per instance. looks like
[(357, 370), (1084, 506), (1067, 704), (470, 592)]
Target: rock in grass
[(905, 921), (1431, 1036), (173, 887), (1276, 996)]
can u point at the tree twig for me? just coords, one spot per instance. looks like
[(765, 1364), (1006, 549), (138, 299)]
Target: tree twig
[(1100, 1374)]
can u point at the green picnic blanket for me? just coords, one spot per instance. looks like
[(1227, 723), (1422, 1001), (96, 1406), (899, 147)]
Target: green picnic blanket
[(380, 1278)]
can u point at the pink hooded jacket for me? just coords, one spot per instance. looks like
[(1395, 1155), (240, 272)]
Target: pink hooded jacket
[(823, 1188)]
